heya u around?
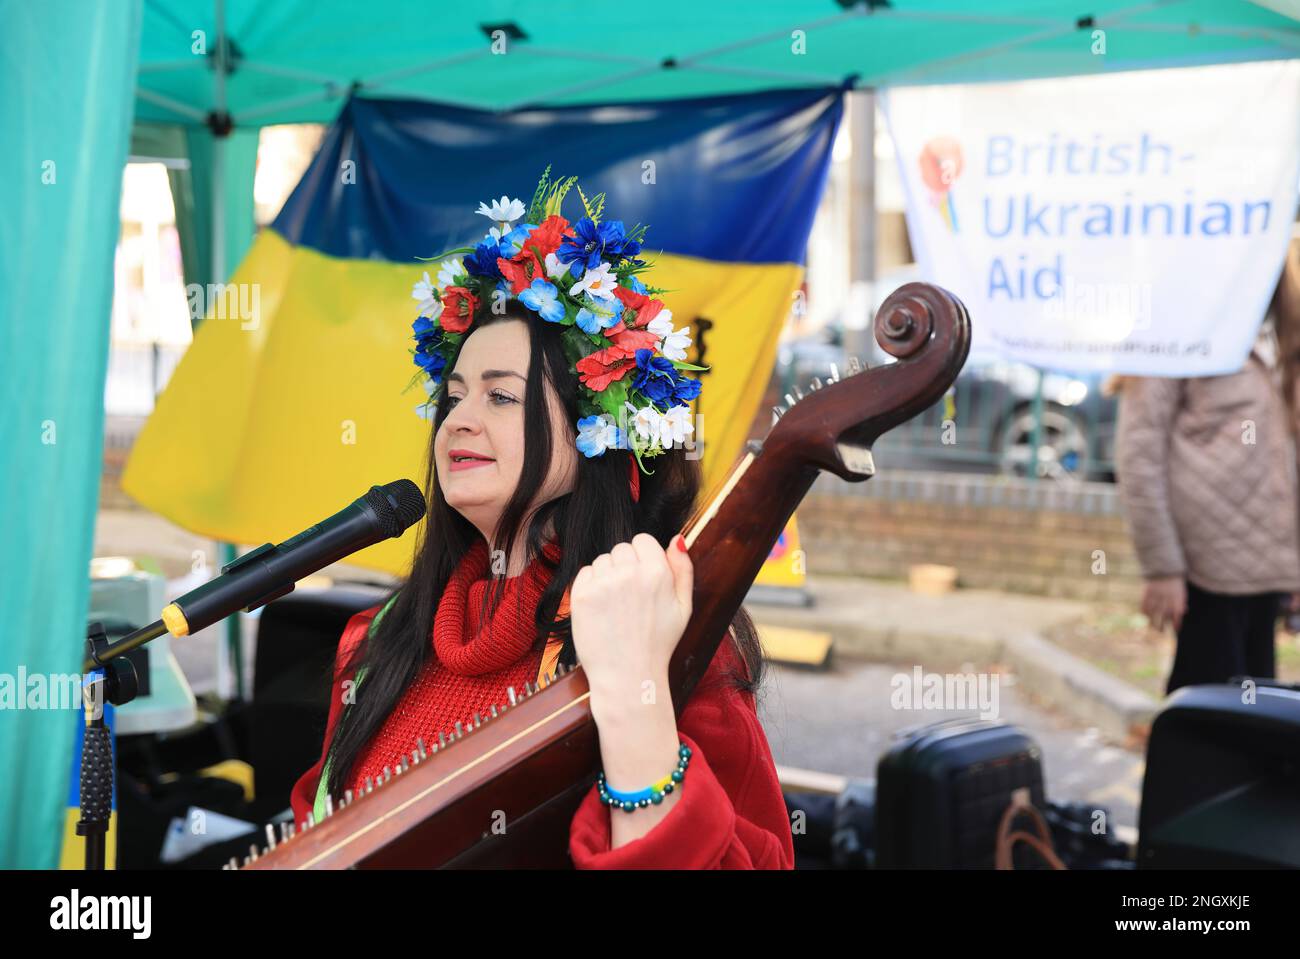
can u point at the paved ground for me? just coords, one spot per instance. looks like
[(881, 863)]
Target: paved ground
[(842, 722)]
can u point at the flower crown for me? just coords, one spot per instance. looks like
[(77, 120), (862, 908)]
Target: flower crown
[(583, 278)]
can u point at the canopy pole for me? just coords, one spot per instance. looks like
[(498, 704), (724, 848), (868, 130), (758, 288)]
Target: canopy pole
[(862, 224), (219, 121)]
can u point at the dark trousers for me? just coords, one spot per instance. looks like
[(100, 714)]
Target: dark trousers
[(1225, 636)]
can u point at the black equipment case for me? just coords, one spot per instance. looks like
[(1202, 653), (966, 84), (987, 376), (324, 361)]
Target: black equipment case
[(942, 790), (1222, 787)]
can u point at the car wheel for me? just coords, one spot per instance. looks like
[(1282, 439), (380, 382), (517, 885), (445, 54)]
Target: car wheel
[(1062, 450)]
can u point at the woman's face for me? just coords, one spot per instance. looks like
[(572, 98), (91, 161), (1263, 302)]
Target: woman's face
[(479, 449)]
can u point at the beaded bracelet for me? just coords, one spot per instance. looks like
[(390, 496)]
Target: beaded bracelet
[(652, 795)]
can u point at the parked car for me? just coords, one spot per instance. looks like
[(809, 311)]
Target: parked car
[(987, 421)]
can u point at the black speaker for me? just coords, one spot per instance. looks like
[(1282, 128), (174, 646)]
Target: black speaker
[(297, 639), (1222, 786)]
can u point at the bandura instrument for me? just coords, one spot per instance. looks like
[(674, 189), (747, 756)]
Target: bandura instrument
[(503, 793)]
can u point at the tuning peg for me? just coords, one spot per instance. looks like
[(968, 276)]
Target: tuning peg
[(855, 367), (835, 374), (494, 710), (293, 828), (252, 852), (285, 831), (233, 864), (789, 402), (404, 765), (388, 774), (477, 720), (442, 740), (510, 692), (247, 860), (420, 743), (816, 383), (459, 731), (347, 796), (270, 836), (329, 805), (370, 785), (311, 821)]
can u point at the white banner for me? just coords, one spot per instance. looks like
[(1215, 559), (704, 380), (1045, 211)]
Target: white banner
[(1133, 223)]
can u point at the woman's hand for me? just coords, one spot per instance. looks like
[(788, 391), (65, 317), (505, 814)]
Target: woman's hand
[(628, 609), (1164, 601)]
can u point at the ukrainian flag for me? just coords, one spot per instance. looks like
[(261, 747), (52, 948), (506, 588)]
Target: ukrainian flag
[(289, 403)]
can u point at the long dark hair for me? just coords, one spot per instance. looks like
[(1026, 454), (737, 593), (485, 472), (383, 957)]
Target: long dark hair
[(595, 516)]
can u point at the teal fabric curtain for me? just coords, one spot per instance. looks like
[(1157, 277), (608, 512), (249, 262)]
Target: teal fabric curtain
[(67, 82)]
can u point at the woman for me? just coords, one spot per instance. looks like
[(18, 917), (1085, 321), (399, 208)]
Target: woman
[(521, 526), (1207, 471)]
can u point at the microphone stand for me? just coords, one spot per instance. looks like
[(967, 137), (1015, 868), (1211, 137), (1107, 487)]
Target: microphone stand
[(110, 678)]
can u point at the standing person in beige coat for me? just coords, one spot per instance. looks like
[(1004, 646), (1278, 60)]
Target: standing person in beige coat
[(1207, 471)]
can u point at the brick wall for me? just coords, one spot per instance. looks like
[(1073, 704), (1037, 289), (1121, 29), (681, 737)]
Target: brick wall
[(999, 533)]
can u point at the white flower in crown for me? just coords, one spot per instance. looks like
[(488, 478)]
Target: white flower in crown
[(554, 268), (677, 424), (448, 271), (649, 424), (672, 343), (503, 211), (428, 409), (598, 282), (429, 305)]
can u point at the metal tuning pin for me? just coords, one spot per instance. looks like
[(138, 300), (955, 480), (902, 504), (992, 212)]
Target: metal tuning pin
[(415, 757), (789, 401), (406, 764), (442, 740), (798, 393), (252, 852), (460, 731), (247, 860), (293, 828), (347, 796), (233, 864), (817, 383), (329, 805), (388, 774), (854, 366), (477, 720), (510, 694), (777, 413), (270, 836), (494, 710), (835, 374), (370, 785), (423, 752)]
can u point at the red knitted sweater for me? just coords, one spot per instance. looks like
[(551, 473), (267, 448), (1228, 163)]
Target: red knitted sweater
[(731, 814)]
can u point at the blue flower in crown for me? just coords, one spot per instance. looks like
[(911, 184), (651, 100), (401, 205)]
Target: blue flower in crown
[(596, 242), (483, 261)]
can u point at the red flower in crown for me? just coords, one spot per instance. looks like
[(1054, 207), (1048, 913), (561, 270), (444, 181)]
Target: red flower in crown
[(646, 308), (458, 307), (603, 367), (521, 271), (548, 236), (631, 340)]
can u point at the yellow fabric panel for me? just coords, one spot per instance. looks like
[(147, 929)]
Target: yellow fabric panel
[(269, 425)]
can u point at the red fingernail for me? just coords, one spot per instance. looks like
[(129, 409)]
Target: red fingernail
[(681, 542)]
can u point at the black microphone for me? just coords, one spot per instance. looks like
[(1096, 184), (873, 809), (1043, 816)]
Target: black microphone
[(270, 572)]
